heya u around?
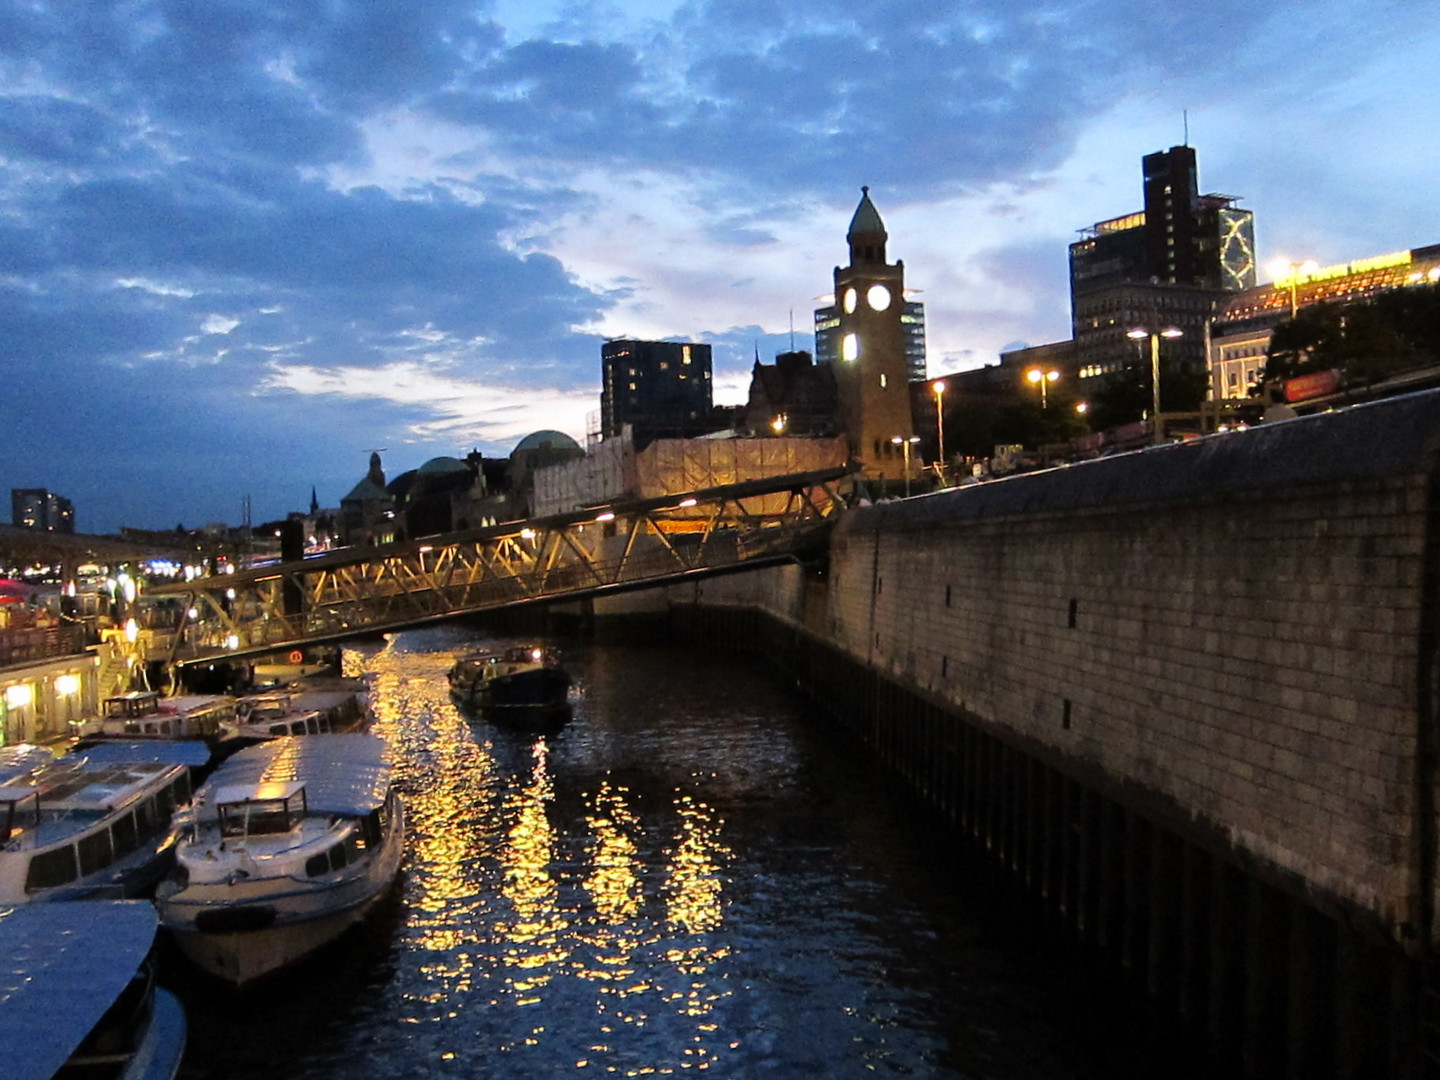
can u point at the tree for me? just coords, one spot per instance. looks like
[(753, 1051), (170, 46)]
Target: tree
[(1366, 340)]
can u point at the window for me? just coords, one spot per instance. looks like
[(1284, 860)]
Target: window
[(51, 868), (125, 835), (317, 865), (95, 852)]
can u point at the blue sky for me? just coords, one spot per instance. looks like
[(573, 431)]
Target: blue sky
[(244, 243)]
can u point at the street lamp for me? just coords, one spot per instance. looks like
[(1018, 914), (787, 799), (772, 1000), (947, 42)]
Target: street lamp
[(1042, 379), (938, 386), (1139, 334), (1291, 272), (902, 441)]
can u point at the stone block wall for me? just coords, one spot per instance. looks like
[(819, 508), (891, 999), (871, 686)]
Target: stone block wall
[(1236, 634)]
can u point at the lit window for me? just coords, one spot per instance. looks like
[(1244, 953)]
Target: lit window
[(883, 381), (850, 347)]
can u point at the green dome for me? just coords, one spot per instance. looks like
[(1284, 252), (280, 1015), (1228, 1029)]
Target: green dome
[(547, 440)]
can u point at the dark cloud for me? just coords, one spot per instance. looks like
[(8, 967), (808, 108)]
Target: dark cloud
[(168, 234)]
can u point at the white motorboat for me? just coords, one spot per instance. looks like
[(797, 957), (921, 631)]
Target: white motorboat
[(288, 844), (78, 994), (144, 714), (93, 824), (295, 711)]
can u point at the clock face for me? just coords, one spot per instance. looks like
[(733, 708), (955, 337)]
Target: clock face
[(848, 300), (878, 297)]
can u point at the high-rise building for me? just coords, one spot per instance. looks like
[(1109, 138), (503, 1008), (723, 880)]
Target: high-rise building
[(1168, 265), (36, 508), (662, 389), (912, 321), (865, 337)]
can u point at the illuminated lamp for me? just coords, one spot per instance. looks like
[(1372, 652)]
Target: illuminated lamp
[(850, 348), (19, 695), (66, 685), (132, 631)]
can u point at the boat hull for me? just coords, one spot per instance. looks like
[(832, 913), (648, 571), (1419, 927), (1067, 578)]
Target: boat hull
[(243, 932)]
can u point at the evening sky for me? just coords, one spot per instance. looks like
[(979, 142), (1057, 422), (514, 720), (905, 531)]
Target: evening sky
[(244, 243)]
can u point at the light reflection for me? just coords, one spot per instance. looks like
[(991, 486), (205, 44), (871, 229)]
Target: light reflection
[(500, 917), (533, 935)]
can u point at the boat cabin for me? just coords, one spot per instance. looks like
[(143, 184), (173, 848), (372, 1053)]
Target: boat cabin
[(133, 705), (261, 809), (69, 825), (145, 715)]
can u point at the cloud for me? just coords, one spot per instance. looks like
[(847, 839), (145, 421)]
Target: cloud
[(272, 235)]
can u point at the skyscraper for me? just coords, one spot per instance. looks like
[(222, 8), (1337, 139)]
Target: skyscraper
[(1166, 265), (37, 508), (662, 389)]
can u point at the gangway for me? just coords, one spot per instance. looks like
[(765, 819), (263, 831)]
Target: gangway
[(626, 544)]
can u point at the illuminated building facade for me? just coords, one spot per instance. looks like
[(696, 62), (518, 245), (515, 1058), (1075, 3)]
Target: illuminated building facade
[(662, 389), (1167, 265), (36, 508), (1240, 332), (871, 347)]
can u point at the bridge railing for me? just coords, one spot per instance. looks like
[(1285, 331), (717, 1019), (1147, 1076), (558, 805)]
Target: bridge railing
[(290, 605)]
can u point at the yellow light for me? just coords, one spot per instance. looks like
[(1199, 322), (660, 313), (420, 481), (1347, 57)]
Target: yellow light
[(65, 685), (850, 348), (607, 516), (527, 534), (232, 642), (938, 387), (19, 695), (132, 631), (687, 502), (778, 424)]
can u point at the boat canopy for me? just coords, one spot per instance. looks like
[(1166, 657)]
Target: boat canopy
[(342, 774), (192, 752), (65, 964), (20, 759)]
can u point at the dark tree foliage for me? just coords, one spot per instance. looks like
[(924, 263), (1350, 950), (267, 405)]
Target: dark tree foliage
[(1365, 340), (1125, 396), (975, 427)]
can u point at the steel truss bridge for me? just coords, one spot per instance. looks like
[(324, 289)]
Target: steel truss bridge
[(627, 544)]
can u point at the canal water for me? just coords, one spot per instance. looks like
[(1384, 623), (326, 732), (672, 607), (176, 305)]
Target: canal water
[(692, 877)]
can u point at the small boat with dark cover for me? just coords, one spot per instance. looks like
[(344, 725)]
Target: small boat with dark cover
[(518, 680)]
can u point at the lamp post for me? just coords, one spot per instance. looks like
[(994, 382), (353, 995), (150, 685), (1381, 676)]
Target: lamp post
[(903, 442), (1139, 334), (1293, 272), (938, 386), (1042, 379)]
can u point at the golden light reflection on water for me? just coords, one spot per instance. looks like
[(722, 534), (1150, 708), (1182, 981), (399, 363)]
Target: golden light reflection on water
[(511, 906)]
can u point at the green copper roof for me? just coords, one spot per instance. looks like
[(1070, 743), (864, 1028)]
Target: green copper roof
[(867, 218)]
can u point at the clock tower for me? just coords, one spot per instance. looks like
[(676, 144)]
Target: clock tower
[(871, 369)]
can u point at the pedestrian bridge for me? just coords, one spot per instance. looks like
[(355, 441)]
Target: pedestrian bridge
[(624, 545)]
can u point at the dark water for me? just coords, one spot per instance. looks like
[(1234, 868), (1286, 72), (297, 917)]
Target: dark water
[(688, 878)]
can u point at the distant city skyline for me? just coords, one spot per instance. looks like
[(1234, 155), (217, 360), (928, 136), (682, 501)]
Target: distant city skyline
[(244, 246)]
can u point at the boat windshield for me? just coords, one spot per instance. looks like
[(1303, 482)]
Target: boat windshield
[(263, 817), (12, 807)]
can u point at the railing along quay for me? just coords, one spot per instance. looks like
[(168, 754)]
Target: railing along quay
[(627, 544)]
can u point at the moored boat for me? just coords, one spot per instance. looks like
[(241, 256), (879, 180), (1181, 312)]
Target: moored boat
[(520, 679), (288, 844), (144, 714), (78, 995), (95, 823), (295, 711)]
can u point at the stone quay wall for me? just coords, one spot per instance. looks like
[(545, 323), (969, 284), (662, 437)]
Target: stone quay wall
[(1209, 669)]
